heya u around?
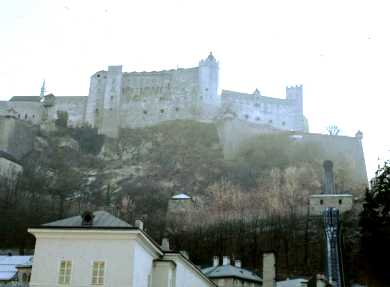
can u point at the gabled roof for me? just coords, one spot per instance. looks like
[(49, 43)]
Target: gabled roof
[(101, 219), (26, 99), (230, 271)]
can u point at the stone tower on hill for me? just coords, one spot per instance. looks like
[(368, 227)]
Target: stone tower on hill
[(118, 100)]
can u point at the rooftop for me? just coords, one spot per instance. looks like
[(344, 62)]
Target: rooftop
[(101, 219), (8, 265), (181, 196), (230, 271)]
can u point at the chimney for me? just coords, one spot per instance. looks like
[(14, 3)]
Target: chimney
[(165, 244), (269, 272), (139, 224), (237, 263), (226, 260), (215, 261), (328, 187), (87, 219)]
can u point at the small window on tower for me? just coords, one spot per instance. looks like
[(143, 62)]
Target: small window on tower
[(97, 110), (112, 97), (257, 119), (270, 121), (340, 201), (98, 75), (25, 116), (206, 89), (283, 123), (321, 202), (177, 109), (246, 116), (162, 111), (145, 112)]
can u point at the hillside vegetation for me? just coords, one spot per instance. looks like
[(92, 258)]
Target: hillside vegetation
[(262, 193)]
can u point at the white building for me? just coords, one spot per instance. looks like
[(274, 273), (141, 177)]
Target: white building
[(227, 275), (98, 249), (15, 270)]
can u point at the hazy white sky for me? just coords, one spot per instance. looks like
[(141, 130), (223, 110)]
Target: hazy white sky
[(338, 50)]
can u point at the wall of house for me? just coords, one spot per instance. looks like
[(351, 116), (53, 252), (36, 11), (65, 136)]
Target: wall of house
[(318, 203), (186, 276), (82, 249), (143, 266)]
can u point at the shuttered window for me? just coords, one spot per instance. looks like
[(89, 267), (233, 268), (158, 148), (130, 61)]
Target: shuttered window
[(65, 272), (98, 273)]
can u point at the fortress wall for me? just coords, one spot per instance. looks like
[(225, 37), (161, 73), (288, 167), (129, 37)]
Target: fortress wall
[(149, 98), (28, 111), (160, 86), (16, 136), (234, 132), (275, 115), (342, 149), (74, 106), (147, 113)]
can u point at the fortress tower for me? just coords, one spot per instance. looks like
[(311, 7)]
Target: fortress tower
[(295, 98), (208, 84)]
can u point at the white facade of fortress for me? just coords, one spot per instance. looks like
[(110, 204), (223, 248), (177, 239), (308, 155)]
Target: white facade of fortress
[(119, 99)]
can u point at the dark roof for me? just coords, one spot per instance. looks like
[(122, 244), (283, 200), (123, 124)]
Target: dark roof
[(101, 219), (230, 271), (10, 157), (26, 99)]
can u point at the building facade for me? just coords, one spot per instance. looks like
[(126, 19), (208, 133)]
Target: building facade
[(120, 99), (101, 250), (228, 275)]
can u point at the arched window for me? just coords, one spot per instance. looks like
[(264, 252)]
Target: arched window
[(25, 116)]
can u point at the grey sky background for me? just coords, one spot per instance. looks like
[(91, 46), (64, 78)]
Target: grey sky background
[(338, 50)]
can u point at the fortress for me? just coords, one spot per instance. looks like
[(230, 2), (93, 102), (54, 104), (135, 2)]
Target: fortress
[(120, 99)]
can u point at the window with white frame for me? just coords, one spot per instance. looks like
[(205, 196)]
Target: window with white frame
[(65, 272), (98, 273)]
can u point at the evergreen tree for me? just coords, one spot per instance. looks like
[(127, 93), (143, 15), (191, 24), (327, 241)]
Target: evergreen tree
[(375, 229)]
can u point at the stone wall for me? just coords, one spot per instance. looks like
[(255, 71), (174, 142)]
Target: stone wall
[(9, 169), (234, 133), (151, 98), (74, 106), (28, 111), (16, 136)]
